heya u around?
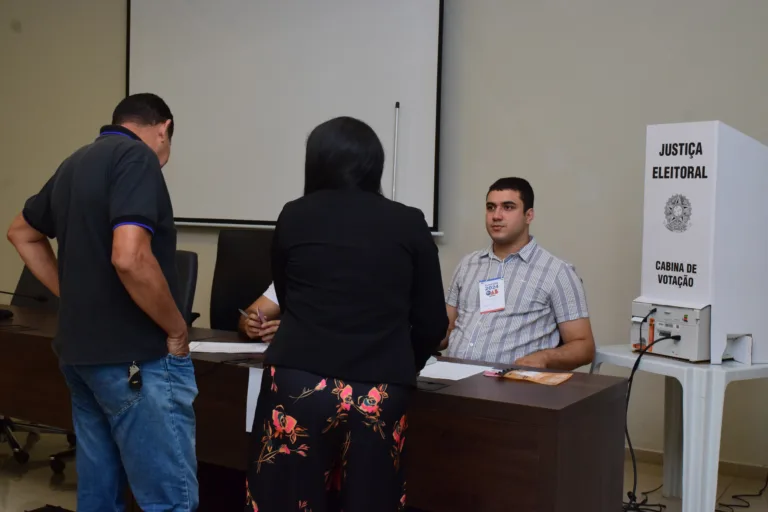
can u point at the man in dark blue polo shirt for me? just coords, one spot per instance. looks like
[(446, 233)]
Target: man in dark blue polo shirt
[(122, 342)]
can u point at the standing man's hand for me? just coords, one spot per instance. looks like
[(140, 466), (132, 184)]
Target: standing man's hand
[(178, 345)]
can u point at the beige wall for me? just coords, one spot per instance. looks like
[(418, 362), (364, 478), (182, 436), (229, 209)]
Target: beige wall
[(61, 72), (559, 92)]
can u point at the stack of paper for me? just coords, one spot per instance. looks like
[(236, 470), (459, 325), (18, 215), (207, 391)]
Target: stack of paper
[(451, 371), (219, 347)]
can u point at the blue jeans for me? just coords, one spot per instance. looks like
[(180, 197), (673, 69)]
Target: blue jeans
[(145, 436)]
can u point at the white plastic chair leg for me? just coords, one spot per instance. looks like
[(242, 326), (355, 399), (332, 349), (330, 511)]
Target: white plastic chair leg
[(703, 398), (673, 439), (711, 447)]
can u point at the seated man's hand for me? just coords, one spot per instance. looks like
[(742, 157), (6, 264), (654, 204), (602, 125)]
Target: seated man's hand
[(252, 325), (268, 330), (535, 360)]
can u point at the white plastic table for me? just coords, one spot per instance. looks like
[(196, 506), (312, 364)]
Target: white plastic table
[(693, 418)]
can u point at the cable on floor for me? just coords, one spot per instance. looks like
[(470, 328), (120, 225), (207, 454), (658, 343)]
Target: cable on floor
[(740, 497), (632, 505), (643, 505)]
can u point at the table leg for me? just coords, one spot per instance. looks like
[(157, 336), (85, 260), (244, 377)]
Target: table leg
[(673, 439), (703, 398)]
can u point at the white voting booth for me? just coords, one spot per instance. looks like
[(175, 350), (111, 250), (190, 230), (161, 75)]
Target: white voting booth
[(705, 244)]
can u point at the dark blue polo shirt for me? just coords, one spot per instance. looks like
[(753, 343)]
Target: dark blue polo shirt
[(115, 180)]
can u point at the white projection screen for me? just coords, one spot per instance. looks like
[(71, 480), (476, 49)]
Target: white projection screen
[(247, 80)]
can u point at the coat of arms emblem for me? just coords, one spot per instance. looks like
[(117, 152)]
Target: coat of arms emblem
[(677, 213)]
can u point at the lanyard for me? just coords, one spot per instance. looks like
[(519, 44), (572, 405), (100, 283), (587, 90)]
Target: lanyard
[(502, 267)]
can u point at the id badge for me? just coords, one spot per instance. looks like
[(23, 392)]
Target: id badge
[(492, 295)]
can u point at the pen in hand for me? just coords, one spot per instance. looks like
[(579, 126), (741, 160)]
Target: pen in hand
[(262, 318), (256, 330)]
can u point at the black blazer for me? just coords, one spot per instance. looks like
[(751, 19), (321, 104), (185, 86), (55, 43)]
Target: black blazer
[(358, 280)]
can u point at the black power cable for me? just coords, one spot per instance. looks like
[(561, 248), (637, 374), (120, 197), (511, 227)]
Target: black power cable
[(643, 506), (646, 493), (632, 496), (744, 503), (632, 505)]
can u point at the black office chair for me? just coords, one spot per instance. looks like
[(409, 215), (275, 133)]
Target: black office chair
[(186, 266), (33, 294), (242, 273)]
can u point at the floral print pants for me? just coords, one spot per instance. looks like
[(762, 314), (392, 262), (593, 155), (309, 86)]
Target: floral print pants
[(320, 444)]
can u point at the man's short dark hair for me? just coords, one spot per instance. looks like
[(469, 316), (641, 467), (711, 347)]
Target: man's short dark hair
[(145, 109), (343, 153), (519, 185)]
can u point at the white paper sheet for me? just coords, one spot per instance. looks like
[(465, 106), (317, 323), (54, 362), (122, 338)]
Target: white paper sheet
[(452, 371), (254, 386), (216, 347)]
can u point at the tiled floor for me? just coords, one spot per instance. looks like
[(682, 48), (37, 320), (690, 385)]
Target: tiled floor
[(34, 485), (649, 477)]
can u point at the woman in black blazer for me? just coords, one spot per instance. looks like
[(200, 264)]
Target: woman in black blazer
[(358, 281)]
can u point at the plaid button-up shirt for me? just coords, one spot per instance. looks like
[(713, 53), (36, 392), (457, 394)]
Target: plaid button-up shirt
[(541, 292)]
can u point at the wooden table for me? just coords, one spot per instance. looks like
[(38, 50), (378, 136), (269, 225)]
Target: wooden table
[(479, 444)]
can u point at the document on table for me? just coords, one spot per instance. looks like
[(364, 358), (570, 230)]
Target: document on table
[(451, 371), (220, 347), (254, 386)]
